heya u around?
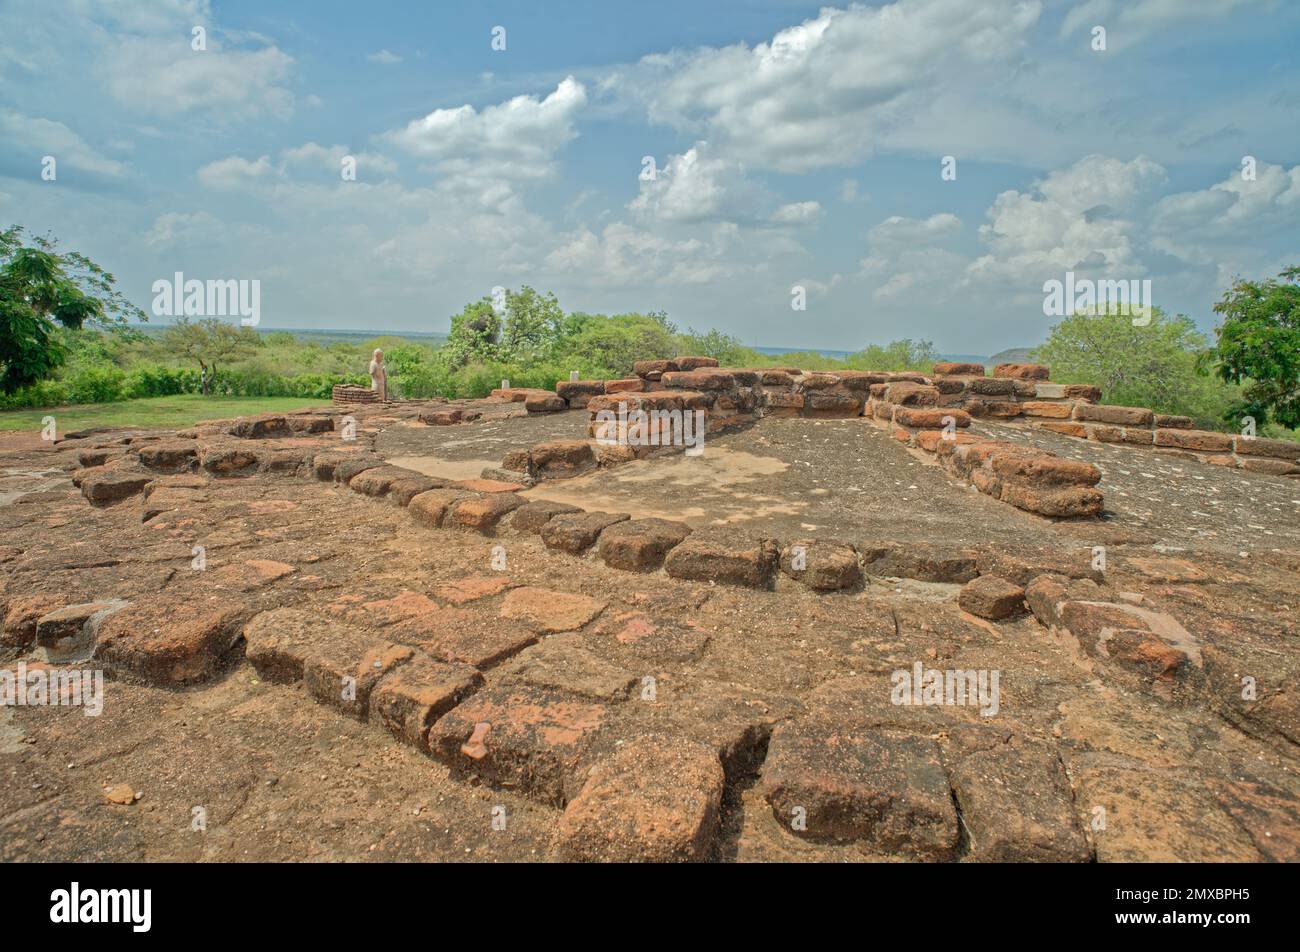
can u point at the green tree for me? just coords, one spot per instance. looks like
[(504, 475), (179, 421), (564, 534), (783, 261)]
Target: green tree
[(609, 346), (209, 343), (1259, 345), (1144, 365), (533, 325), (475, 334), (905, 354), (41, 290)]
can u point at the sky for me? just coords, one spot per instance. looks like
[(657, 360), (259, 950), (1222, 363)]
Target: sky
[(793, 146)]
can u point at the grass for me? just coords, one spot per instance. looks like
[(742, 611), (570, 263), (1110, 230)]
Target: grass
[(168, 412)]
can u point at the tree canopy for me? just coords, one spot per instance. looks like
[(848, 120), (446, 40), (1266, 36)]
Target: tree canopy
[(41, 290)]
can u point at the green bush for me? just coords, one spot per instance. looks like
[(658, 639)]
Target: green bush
[(95, 383)]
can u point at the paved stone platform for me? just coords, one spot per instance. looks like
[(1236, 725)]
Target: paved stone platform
[(845, 654)]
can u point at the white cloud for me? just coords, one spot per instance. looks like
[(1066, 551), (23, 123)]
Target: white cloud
[(798, 213), (171, 229), (1127, 21), (513, 141), (823, 93), (384, 58), (697, 186), (234, 172), (163, 76), (331, 158), (41, 137)]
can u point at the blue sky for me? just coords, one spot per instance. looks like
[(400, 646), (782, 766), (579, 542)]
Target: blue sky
[(793, 144)]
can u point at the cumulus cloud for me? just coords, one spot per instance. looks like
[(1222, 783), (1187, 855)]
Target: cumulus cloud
[(384, 58), (234, 172), (41, 137), (513, 141), (822, 93)]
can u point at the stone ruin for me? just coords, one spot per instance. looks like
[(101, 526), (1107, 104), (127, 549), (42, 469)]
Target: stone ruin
[(1043, 636)]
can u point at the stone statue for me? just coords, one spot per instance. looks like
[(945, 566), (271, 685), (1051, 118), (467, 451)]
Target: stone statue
[(379, 375)]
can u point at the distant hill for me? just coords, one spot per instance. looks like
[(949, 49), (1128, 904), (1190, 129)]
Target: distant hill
[(1013, 355)]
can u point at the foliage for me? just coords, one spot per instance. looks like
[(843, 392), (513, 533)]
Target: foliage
[(209, 341), (1153, 365), (41, 290), (1259, 345)]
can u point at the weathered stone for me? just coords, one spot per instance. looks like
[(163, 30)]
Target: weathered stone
[(971, 370), (1120, 416), (923, 563), (224, 459), (69, 632), (694, 363), (640, 545), (992, 597), (536, 740), (576, 532), (532, 516), (821, 564), (1288, 450), (22, 614), (909, 394), (931, 419), (1066, 502), (408, 700), (549, 611), (341, 672), (1139, 436), (1021, 371), (653, 369), (430, 508), (169, 455), (715, 557), (545, 402), (1169, 421), (1016, 804), (563, 664), (111, 487), (883, 787), (1203, 441), (171, 641), (656, 800), (1041, 408), (557, 459), (1044, 469), (992, 386), (482, 513), (471, 589), (347, 470)]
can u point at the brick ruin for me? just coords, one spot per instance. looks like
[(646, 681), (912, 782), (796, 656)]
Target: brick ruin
[(528, 680)]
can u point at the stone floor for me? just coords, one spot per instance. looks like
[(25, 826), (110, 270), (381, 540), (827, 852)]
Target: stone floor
[(635, 715)]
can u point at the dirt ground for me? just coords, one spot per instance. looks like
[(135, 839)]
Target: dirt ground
[(236, 767)]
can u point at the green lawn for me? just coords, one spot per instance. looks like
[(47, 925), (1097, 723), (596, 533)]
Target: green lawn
[(169, 412)]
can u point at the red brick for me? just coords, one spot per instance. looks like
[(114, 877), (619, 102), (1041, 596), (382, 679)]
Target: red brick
[(1204, 441), (657, 800)]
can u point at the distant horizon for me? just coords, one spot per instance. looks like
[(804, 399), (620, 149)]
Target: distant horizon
[(761, 348)]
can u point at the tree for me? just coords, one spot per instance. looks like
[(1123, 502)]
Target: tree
[(41, 290), (1144, 365), (1259, 344), (533, 325), (209, 342), (475, 333)]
